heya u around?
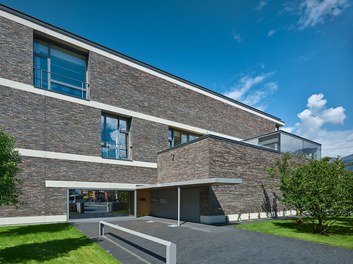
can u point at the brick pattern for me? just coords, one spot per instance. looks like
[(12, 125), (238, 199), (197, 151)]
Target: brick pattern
[(214, 158), (188, 162), (231, 160), (40, 200), (43, 123), (117, 84), (16, 49), (147, 139)]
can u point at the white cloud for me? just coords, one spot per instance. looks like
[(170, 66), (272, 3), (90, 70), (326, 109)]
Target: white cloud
[(252, 90), (312, 123), (334, 115), (316, 101), (237, 37), (271, 33), (261, 5), (336, 143), (314, 12)]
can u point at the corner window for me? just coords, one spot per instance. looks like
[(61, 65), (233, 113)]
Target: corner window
[(176, 137), (59, 69), (114, 137)]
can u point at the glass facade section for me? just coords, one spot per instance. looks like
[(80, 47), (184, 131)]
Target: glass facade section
[(288, 143), (59, 70), (100, 203), (177, 137), (114, 137)]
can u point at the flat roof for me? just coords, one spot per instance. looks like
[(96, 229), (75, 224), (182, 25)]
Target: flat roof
[(128, 58), (192, 183)]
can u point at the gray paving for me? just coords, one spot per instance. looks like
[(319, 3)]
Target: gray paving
[(198, 243)]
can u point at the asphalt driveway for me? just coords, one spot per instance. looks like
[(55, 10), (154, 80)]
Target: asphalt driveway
[(197, 243)]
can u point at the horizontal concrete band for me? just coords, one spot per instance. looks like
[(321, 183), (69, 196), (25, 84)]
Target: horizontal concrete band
[(86, 46), (109, 108), (91, 185), (260, 215), (32, 219), (74, 157)]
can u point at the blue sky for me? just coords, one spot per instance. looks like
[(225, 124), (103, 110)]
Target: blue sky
[(292, 59)]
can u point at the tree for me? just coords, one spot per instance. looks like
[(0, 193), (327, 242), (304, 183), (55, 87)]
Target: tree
[(9, 160), (321, 190)]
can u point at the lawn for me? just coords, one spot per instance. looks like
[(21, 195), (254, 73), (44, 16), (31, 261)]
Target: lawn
[(341, 234), (51, 243)]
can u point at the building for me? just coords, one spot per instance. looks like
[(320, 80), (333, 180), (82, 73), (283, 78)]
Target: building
[(102, 134)]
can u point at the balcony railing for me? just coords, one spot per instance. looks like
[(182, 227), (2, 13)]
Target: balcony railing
[(287, 142), (60, 83)]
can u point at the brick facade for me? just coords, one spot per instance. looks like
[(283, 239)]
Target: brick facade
[(43, 123), (40, 200), (16, 49), (117, 84), (214, 157)]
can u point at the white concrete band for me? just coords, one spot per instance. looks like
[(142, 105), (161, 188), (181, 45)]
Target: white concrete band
[(20, 220), (90, 185), (74, 157)]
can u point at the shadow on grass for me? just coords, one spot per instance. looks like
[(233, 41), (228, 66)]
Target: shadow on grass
[(41, 251), (343, 226), (31, 229)]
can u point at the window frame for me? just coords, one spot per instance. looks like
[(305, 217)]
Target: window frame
[(117, 147), (50, 44), (173, 131)]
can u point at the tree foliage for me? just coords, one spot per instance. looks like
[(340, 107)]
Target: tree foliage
[(321, 190), (9, 160)]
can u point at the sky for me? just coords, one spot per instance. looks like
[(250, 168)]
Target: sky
[(292, 58)]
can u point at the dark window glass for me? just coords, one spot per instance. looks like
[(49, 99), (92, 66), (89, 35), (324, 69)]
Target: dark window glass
[(114, 137), (184, 138), (176, 137), (59, 70)]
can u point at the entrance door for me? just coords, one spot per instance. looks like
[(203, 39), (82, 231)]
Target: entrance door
[(165, 204)]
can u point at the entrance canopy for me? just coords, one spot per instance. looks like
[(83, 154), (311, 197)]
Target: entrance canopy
[(192, 183)]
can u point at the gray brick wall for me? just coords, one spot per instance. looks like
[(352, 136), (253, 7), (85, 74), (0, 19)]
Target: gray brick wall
[(39, 200), (231, 160), (43, 123), (147, 139), (214, 158), (188, 162), (16, 49), (117, 84)]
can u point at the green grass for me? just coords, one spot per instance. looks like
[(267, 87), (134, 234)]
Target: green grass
[(340, 235), (51, 243)]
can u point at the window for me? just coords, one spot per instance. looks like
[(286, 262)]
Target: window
[(177, 137), (59, 69), (115, 137)]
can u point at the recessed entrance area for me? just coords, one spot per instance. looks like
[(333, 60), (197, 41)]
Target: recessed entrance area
[(99, 203)]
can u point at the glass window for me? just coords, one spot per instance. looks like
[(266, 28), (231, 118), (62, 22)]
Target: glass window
[(177, 137), (114, 137), (60, 70)]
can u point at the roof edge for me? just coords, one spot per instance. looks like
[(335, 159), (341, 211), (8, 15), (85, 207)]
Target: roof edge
[(128, 58)]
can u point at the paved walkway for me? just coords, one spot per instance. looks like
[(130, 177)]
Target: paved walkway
[(198, 243)]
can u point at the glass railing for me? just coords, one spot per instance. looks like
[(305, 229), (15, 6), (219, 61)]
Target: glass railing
[(60, 83), (287, 143)]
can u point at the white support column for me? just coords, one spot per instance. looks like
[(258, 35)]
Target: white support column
[(178, 206), (67, 205), (135, 203)]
